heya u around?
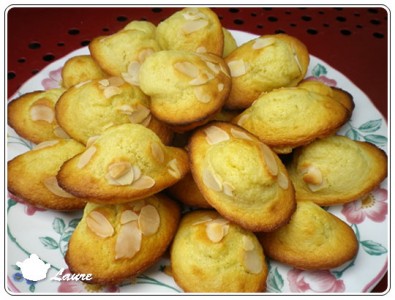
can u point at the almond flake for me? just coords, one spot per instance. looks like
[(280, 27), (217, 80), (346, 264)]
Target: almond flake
[(86, 157), (213, 67), (201, 49), (220, 87), (203, 78), (111, 91), (215, 135), (194, 25), (136, 172), (138, 205), (242, 119), (146, 121), (132, 75), (91, 140), (144, 182), (224, 70), (104, 83), (59, 132), (51, 183), (269, 158), (99, 224), (149, 220), (115, 81), (193, 15), (157, 152), (312, 175), (201, 95), (143, 54), (78, 85), (40, 112), (128, 216), (173, 168), (228, 189), (125, 109), (128, 241), (204, 219), (237, 68), (263, 42), (211, 181), (296, 58), (45, 144), (215, 231), (118, 169), (253, 262), (139, 114), (108, 125), (240, 134), (248, 244), (282, 181), (187, 68)]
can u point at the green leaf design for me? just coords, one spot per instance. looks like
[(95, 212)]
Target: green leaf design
[(373, 248), (319, 70), (74, 222), (11, 203), (356, 230), (32, 288), (275, 281), (66, 236), (378, 140), (49, 242), (353, 134), (58, 225), (370, 126)]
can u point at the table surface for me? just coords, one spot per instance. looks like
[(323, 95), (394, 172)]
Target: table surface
[(352, 39)]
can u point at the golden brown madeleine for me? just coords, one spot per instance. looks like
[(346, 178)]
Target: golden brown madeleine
[(336, 170), (186, 88), (242, 178), (32, 175), (79, 69), (122, 53), (115, 243), (192, 29), (187, 192), (127, 162), (209, 254), (264, 64), (32, 116), (287, 118), (314, 239), (87, 109)]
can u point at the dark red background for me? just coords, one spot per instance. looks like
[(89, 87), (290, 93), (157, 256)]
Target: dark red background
[(353, 40)]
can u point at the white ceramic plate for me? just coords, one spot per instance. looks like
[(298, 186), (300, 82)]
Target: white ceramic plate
[(46, 233)]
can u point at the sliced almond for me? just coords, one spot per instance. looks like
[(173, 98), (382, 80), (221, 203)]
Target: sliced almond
[(139, 114), (263, 42), (215, 135), (240, 134), (91, 140), (132, 75), (99, 224), (220, 87), (60, 133), (194, 25), (228, 189), (118, 169), (247, 243), (138, 205), (173, 168), (282, 181), (104, 83), (211, 181), (115, 81), (312, 175), (157, 152), (203, 78), (253, 262), (201, 49), (297, 61), (86, 157), (213, 67), (237, 68), (149, 220), (193, 15), (51, 183), (187, 68), (125, 109), (144, 182), (201, 95), (243, 119), (224, 70), (146, 121), (45, 144), (108, 125), (143, 54), (136, 172), (111, 91), (128, 241), (128, 216), (78, 85), (215, 231), (204, 219), (269, 158), (40, 112)]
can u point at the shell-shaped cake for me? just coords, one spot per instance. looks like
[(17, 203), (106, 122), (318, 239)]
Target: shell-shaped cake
[(212, 255), (126, 163), (242, 178), (115, 243)]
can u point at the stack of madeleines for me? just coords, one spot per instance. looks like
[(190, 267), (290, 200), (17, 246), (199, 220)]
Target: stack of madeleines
[(158, 118)]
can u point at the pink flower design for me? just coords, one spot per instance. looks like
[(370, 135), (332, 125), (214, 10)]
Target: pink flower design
[(54, 80), (374, 206), (323, 79), (80, 287), (29, 209), (314, 281)]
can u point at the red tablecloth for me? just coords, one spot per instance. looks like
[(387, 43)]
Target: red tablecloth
[(352, 39)]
